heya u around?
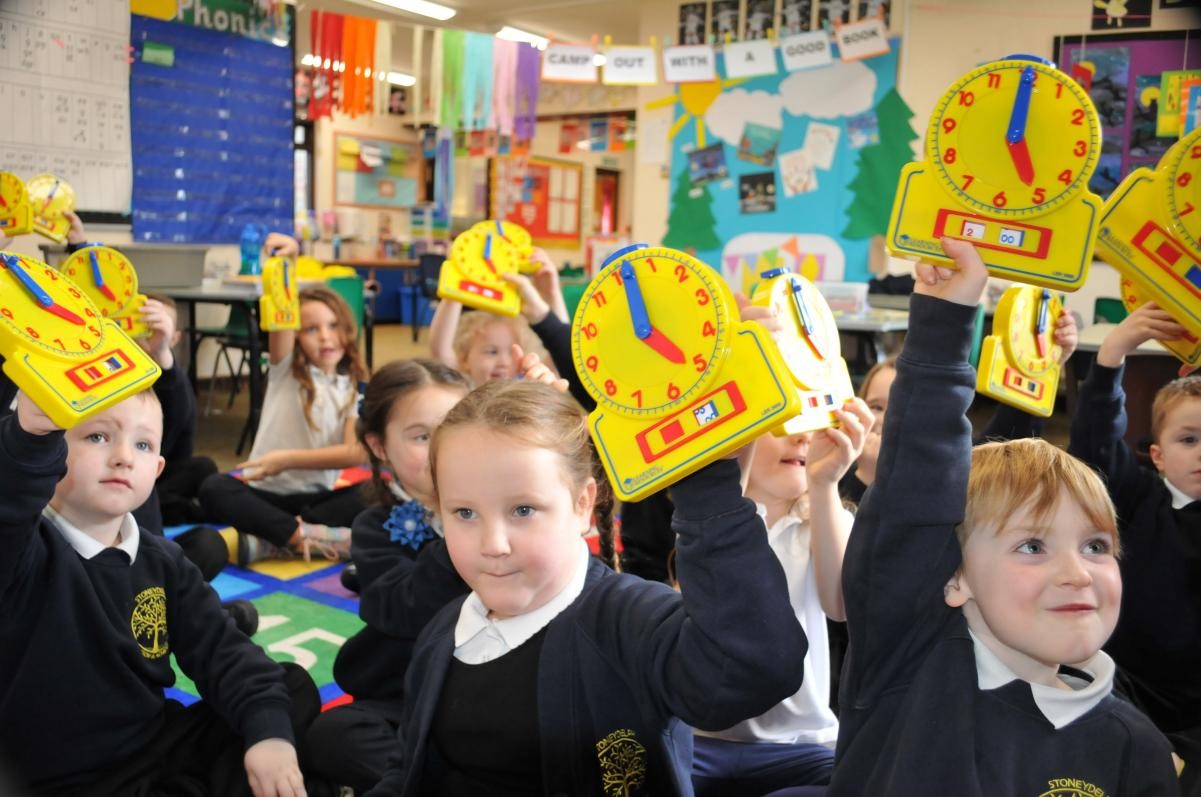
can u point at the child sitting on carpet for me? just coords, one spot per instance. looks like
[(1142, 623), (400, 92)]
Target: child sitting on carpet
[(93, 608)]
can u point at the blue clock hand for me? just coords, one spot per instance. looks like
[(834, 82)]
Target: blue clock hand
[(1040, 327), (637, 305), (1015, 135), (98, 277), (43, 299)]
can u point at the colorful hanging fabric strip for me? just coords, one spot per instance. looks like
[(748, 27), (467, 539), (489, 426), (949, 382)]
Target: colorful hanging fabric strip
[(452, 75), (529, 64), (477, 80), (504, 85)]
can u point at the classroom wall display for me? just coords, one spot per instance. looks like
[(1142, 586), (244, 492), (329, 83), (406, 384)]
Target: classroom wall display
[(64, 75), (374, 172), (540, 194), (212, 135), (799, 219), (1119, 14), (1127, 87)]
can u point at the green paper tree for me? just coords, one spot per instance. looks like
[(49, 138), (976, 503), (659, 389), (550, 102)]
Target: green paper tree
[(691, 221), (880, 169)]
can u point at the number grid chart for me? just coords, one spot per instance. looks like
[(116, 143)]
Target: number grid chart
[(64, 75)]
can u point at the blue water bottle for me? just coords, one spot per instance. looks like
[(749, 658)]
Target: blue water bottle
[(253, 235)]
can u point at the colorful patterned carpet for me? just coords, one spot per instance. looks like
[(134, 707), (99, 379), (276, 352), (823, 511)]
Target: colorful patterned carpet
[(305, 614)]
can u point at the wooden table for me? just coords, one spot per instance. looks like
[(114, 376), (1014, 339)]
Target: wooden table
[(871, 327)]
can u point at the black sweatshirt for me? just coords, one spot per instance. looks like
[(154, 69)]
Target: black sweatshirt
[(1157, 643), (81, 691), (914, 720)]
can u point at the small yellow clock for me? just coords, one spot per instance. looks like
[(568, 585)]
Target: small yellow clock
[(16, 218), (1019, 362), (810, 346), (59, 349), (679, 380), (478, 258), (1151, 233), (109, 280), (1186, 349), (49, 198), (1009, 152), (279, 306)]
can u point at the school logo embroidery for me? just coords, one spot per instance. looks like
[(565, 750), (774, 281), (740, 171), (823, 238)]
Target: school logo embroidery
[(1072, 787), (149, 622), (623, 763)]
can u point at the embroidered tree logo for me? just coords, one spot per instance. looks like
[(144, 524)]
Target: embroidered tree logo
[(149, 622), (623, 763)]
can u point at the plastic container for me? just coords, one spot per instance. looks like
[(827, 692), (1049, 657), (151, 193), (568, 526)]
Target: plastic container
[(253, 235)]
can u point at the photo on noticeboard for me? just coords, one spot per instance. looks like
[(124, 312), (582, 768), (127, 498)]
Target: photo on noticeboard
[(874, 8), (707, 165), (796, 16), (724, 20), (760, 18), (757, 192), (1143, 141), (831, 12), (1116, 15), (1109, 166), (692, 23)]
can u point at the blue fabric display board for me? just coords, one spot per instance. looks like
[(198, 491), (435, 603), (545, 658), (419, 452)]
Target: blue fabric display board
[(211, 134)]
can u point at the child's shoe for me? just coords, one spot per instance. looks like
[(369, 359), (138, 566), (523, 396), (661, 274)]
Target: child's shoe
[(332, 542), (247, 548)]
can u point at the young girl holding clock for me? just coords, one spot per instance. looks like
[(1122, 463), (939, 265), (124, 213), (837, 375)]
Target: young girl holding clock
[(556, 675), (285, 499)]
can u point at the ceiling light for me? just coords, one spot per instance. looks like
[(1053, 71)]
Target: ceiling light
[(401, 79), (422, 7), (518, 35)]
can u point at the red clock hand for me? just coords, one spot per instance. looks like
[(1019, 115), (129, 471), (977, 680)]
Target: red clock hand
[(108, 293), (63, 313), (1020, 154), (663, 345)]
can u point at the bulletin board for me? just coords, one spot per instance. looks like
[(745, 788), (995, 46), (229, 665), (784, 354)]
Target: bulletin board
[(375, 172), (541, 194), (794, 170), (1125, 88)]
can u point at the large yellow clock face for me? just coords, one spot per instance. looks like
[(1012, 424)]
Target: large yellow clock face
[(808, 339), (650, 330), (1025, 320), (50, 196), (12, 193), (482, 254), (1014, 138), (41, 309), (1184, 189), (106, 276)]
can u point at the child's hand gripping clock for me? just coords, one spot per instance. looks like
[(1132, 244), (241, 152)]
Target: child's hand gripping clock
[(49, 199)]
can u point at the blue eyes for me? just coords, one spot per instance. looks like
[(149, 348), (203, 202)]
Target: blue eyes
[(1096, 547), (524, 511), (521, 511)]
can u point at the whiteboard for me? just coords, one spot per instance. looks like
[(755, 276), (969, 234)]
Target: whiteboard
[(64, 88)]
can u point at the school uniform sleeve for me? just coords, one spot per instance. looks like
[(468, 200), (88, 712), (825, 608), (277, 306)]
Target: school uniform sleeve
[(903, 547), (30, 467), (231, 673), (1098, 437), (400, 601), (179, 415), (371, 547), (556, 337), (729, 646)]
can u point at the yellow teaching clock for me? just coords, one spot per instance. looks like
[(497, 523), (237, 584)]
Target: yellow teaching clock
[(1009, 152), (49, 198), (279, 306), (1151, 233), (478, 258), (1019, 362), (59, 349), (109, 280), (1186, 349), (679, 381), (809, 344), (15, 215)]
